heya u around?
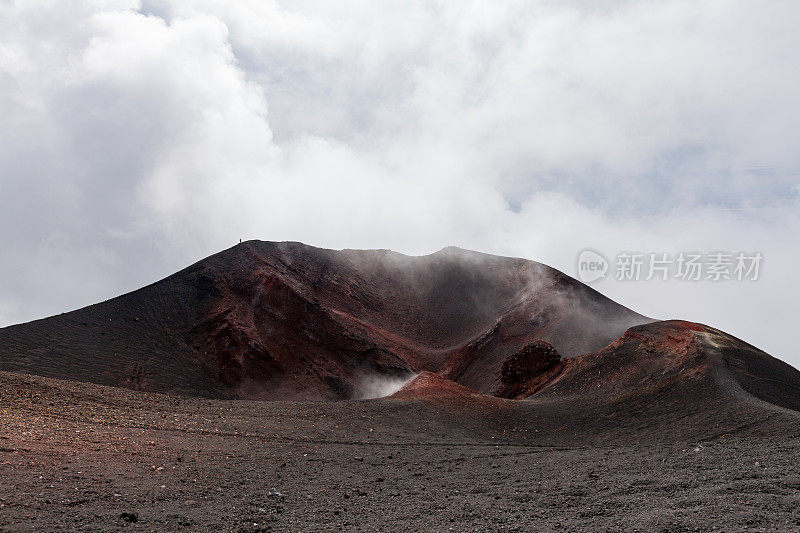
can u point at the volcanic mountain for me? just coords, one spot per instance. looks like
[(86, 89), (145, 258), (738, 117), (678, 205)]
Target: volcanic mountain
[(289, 321), (277, 321)]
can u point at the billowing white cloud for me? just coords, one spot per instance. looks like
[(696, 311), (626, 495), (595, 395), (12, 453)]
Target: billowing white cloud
[(137, 137)]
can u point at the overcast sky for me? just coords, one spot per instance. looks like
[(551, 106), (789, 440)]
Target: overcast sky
[(139, 137)]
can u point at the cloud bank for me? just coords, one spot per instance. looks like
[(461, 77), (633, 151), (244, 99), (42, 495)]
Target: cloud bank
[(138, 137)]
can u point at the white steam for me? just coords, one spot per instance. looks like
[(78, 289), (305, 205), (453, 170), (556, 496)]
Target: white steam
[(380, 386)]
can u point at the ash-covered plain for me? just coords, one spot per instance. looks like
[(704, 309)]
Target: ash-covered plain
[(280, 387)]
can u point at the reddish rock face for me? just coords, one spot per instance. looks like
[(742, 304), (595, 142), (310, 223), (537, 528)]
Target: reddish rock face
[(433, 388)]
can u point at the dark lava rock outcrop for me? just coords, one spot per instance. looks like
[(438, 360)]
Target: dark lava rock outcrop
[(528, 370)]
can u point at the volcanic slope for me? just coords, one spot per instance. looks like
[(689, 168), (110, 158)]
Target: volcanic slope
[(669, 380), (267, 320)]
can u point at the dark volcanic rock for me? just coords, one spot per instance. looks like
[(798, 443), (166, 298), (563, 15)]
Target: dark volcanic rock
[(526, 365), (529, 362)]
